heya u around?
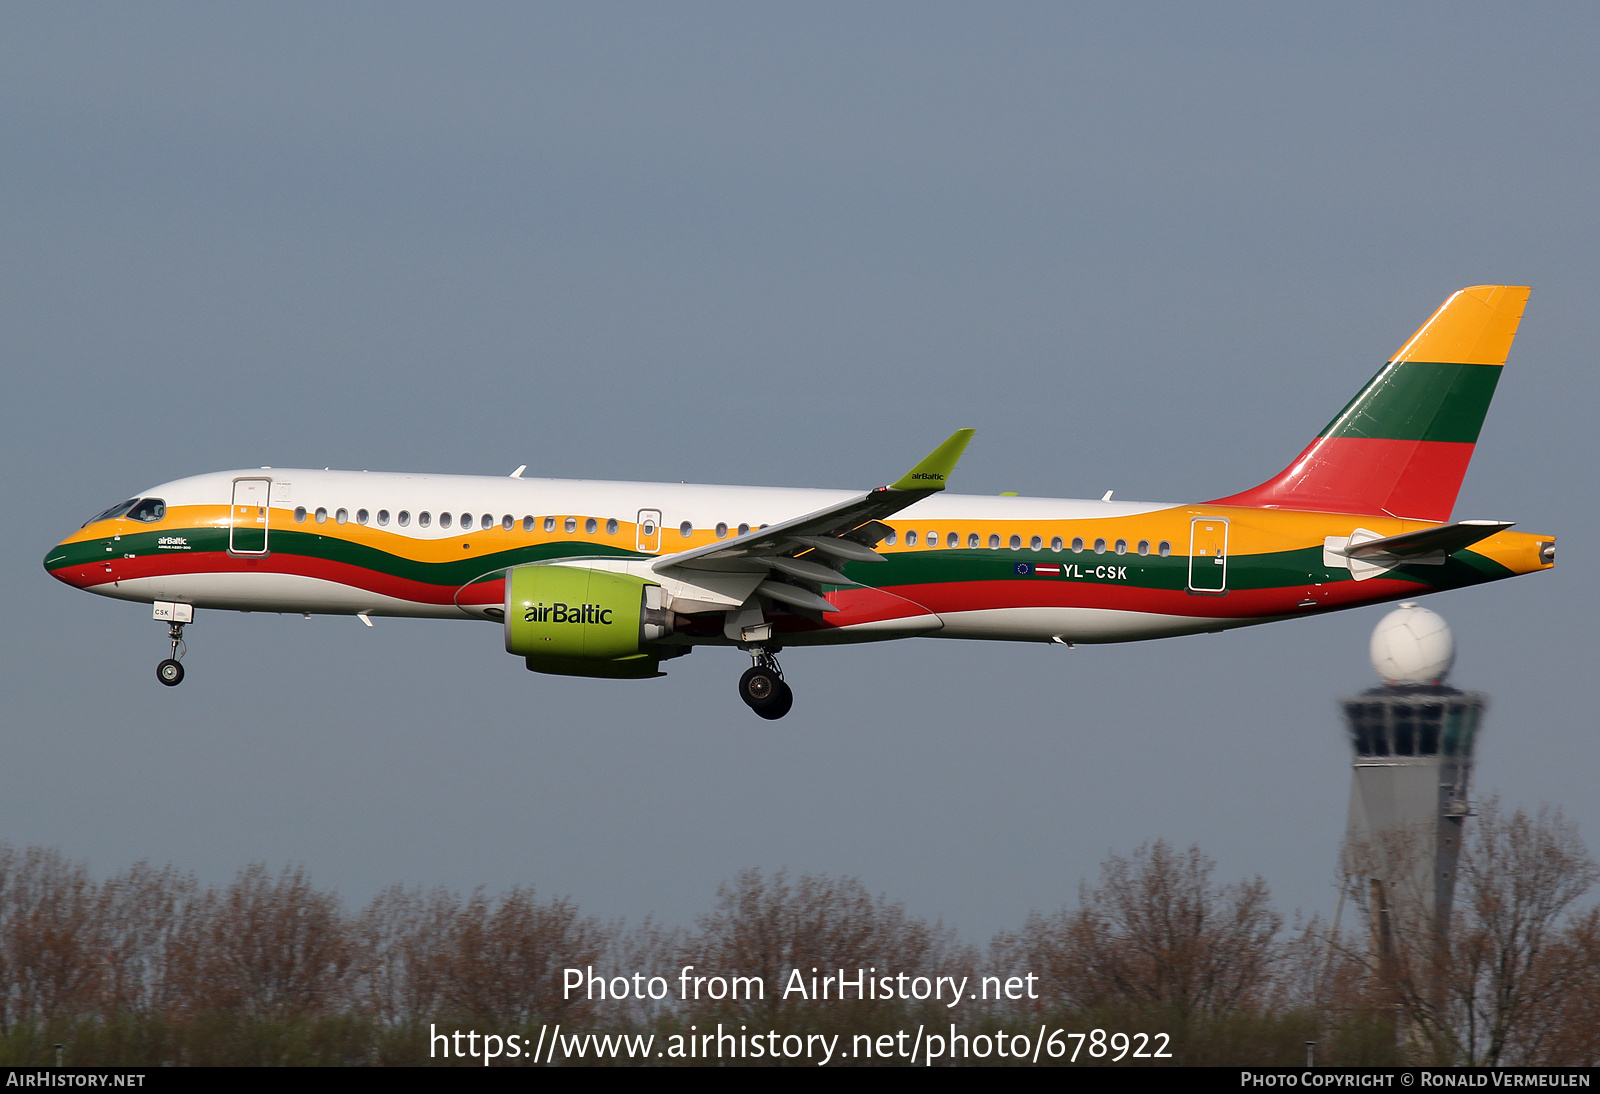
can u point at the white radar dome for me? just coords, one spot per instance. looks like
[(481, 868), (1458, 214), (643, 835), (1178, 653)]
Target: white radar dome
[(1412, 645)]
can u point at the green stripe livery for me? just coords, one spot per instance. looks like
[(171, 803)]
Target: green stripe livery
[(1420, 401)]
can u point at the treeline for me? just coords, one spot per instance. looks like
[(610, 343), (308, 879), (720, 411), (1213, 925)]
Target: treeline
[(148, 967)]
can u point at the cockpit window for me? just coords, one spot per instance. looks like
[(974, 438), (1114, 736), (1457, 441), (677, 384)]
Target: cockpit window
[(148, 510), (115, 511)]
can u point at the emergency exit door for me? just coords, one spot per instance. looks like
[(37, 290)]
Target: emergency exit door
[(1208, 555), (247, 528)]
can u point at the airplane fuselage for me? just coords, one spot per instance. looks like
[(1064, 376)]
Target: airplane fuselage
[(954, 566)]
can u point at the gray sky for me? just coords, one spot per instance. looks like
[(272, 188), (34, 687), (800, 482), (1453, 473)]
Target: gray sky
[(1141, 248)]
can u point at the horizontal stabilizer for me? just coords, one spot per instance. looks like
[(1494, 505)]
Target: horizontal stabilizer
[(1366, 554), (1446, 539)]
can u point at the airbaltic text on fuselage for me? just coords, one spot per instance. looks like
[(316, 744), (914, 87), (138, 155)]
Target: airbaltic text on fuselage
[(567, 613)]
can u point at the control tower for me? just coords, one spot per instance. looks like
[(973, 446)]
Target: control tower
[(1412, 740)]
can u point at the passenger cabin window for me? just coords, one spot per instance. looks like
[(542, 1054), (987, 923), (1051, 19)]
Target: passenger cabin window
[(1144, 546), (148, 510), (890, 538), (486, 521), (527, 524), (911, 539), (1122, 546), (744, 529), (341, 516), (383, 518), (1036, 543), (933, 539), (322, 515), (722, 531), (1099, 546), (611, 526), (549, 524), (972, 541), (508, 522), (953, 540), (444, 520), (591, 526), (572, 525), (1166, 548), (466, 522), (424, 519), (1016, 543), (1077, 545), (1055, 543), (404, 518), (994, 543), (361, 516), (300, 514), (686, 529)]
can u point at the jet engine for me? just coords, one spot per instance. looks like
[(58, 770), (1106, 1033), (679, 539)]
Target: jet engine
[(572, 621)]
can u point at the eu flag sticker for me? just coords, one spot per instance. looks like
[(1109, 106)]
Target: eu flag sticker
[(1024, 568)]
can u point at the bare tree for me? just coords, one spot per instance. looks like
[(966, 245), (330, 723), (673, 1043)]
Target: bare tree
[(1483, 988), (141, 914), (1567, 1032), (50, 944), (429, 955), (768, 927), (266, 946), (1158, 932)]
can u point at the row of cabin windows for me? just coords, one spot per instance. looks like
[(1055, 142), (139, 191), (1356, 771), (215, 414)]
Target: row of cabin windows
[(591, 526), (974, 541), (468, 521)]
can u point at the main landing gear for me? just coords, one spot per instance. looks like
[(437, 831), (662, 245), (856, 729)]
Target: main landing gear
[(762, 687), (170, 671)]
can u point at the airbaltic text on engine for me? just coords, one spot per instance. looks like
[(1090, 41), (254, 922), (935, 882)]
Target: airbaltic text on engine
[(565, 613)]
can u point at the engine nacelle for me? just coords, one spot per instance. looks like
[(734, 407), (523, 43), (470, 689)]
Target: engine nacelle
[(572, 621)]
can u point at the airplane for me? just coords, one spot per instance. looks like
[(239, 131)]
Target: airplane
[(611, 579)]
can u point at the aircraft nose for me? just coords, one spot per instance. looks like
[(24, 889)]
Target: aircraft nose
[(63, 563)]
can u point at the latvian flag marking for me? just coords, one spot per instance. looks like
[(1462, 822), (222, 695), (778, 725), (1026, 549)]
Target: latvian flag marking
[(1047, 569)]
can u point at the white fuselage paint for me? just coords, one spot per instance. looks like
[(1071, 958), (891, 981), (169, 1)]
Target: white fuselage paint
[(700, 506)]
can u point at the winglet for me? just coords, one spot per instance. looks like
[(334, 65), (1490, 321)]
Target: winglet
[(932, 472)]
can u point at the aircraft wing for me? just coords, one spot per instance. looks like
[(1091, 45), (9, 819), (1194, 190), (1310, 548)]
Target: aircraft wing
[(800, 555)]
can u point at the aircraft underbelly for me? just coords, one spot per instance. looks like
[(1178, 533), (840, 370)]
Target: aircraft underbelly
[(272, 592), (1088, 625)]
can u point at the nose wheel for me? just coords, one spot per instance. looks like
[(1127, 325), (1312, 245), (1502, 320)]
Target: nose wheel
[(762, 686), (170, 671)]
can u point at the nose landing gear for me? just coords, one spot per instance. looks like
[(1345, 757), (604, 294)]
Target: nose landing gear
[(762, 687), (170, 671), (174, 615)]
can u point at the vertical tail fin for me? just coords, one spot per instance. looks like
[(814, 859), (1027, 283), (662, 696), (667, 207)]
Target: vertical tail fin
[(1401, 447)]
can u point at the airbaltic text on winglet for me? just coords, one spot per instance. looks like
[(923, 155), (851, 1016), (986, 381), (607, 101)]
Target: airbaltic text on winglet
[(928, 475)]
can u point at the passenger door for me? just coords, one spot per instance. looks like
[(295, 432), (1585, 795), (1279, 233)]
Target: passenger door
[(247, 525), (1208, 555)]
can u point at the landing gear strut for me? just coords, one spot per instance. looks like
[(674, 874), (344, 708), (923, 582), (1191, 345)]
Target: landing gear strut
[(762, 687), (170, 671)]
